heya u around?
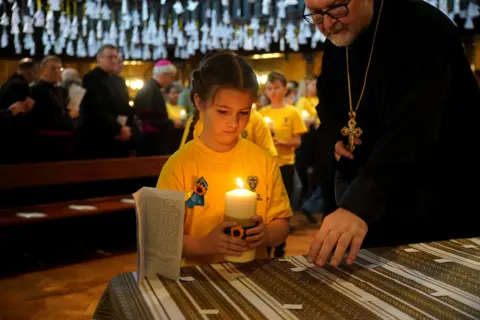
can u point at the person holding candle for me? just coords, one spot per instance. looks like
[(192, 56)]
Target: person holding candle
[(287, 126), (175, 112), (256, 131), (207, 169)]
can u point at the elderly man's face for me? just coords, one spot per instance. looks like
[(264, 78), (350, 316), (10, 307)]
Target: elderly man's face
[(342, 31)]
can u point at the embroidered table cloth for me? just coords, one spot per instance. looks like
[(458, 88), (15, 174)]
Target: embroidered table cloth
[(438, 280)]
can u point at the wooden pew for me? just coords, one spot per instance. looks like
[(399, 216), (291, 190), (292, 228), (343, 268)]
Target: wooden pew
[(40, 175)]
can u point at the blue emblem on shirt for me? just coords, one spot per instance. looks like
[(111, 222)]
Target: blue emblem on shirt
[(198, 196)]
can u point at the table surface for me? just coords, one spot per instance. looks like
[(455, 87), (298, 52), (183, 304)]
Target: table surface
[(438, 280)]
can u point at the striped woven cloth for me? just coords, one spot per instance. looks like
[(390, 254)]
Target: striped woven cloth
[(438, 280)]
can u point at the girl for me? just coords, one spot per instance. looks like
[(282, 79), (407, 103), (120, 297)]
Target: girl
[(256, 131), (206, 168)]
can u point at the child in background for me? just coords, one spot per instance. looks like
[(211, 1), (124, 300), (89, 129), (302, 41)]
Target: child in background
[(176, 113), (206, 168), (288, 128), (256, 131)]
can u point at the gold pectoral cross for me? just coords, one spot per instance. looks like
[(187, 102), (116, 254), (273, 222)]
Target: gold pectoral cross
[(352, 132)]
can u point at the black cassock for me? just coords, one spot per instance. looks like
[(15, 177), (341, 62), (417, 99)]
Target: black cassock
[(53, 127), (15, 131), (413, 178), (103, 103)]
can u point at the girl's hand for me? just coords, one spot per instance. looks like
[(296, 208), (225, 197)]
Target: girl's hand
[(257, 236), (217, 242)]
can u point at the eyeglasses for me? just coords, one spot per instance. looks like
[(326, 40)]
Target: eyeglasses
[(336, 12)]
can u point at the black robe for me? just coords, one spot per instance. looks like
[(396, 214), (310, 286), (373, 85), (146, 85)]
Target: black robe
[(103, 103), (156, 126), (53, 126), (410, 179), (15, 131)]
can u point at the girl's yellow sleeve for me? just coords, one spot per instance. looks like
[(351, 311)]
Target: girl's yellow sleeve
[(278, 205)]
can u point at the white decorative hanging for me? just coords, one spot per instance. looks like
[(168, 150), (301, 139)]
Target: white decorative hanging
[(27, 25), (4, 21), (17, 44), (145, 14), (15, 20), (81, 51), (135, 36), (92, 43), (50, 23), (146, 54), (291, 2), (39, 18), (54, 5), (136, 18), (266, 7), (4, 41), (281, 11), (84, 27), (106, 12), (70, 49), (192, 5), (74, 28), (99, 29), (178, 8), (31, 7)]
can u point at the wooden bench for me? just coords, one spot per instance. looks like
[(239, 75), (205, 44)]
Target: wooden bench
[(41, 175)]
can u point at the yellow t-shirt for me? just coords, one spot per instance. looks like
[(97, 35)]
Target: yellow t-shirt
[(247, 161), (309, 104), (256, 131), (287, 123), (174, 111)]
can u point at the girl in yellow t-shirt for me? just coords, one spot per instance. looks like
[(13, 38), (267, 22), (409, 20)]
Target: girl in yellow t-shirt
[(256, 131), (176, 113), (206, 168)]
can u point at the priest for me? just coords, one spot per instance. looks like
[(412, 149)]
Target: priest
[(397, 104)]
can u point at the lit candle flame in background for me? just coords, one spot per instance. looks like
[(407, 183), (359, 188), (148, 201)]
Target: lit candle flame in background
[(240, 183), (182, 112), (267, 120)]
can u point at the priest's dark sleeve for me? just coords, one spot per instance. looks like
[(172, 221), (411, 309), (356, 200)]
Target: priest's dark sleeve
[(412, 132), (94, 107)]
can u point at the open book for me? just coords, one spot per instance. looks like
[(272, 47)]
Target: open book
[(160, 217)]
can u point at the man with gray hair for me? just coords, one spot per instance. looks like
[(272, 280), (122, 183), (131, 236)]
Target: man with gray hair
[(151, 109), (397, 97)]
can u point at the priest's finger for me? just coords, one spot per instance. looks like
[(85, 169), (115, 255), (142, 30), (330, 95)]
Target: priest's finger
[(327, 247), (357, 141), (317, 243), (342, 246), (342, 150), (354, 248)]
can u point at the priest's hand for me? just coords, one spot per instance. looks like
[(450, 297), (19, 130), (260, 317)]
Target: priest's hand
[(342, 151), (340, 230), (257, 236), (217, 242)]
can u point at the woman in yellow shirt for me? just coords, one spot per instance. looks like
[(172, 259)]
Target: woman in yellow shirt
[(256, 131), (206, 168)]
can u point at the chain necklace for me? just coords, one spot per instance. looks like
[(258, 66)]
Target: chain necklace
[(351, 130)]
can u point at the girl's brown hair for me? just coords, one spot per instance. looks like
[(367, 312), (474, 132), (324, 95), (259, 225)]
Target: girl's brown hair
[(220, 69)]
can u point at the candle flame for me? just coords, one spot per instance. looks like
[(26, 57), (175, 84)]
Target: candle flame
[(305, 113), (267, 119), (182, 112), (240, 183)]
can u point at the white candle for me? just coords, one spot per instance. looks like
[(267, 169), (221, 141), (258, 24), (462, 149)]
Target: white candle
[(183, 115), (241, 206)]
